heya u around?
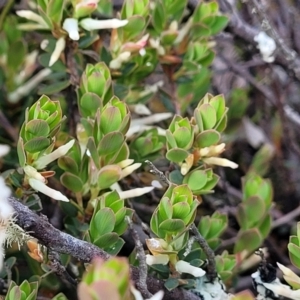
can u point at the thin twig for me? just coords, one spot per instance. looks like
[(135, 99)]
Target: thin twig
[(211, 267), (158, 173), (59, 269), (140, 254)]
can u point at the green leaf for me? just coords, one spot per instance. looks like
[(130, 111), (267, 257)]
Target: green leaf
[(16, 55), (171, 284), (54, 88), (177, 155), (111, 143), (180, 210), (208, 116), (37, 128), (106, 240), (102, 222), (159, 16), (21, 153), (294, 253), (71, 182), (220, 22), (248, 240), (37, 144), (67, 163), (196, 179), (254, 210), (172, 226), (109, 175), (55, 10), (89, 104), (207, 138)]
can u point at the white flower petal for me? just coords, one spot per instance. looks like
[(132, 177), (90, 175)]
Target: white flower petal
[(91, 24), (160, 259), (44, 189), (4, 149), (135, 192), (32, 16), (59, 48), (128, 170), (118, 61), (184, 267), (31, 172), (27, 87), (223, 162), (71, 26), (43, 161)]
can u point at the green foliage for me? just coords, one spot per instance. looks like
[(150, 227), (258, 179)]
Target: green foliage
[(211, 228), (253, 214), (294, 246), (25, 291), (109, 222), (106, 280)]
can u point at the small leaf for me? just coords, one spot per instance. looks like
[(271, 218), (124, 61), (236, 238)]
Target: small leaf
[(38, 128), (37, 144), (71, 182), (172, 226), (248, 240), (102, 222), (171, 284), (207, 138), (108, 175), (177, 155)]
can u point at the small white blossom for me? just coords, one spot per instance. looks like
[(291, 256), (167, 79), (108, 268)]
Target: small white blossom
[(184, 267), (266, 46), (43, 161), (223, 162), (59, 48), (4, 149), (159, 259), (32, 16), (44, 189), (91, 24), (119, 60), (135, 192), (71, 26)]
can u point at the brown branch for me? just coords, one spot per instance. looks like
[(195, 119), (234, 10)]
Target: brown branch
[(56, 240), (210, 255)]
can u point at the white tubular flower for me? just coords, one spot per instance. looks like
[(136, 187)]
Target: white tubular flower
[(70, 25), (43, 161), (59, 48), (159, 259), (125, 163), (4, 149), (223, 162), (266, 46), (184, 267), (44, 189), (118, 61), (128, 170), (32, 16), (91, 24), (31, 172), (27, 87), (135, 192)]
